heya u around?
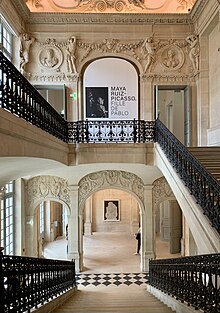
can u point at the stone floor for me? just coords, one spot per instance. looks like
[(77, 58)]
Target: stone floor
[(107, 252), (111, 280)]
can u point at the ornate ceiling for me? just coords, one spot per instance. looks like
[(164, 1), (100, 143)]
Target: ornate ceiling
[(110, 6)]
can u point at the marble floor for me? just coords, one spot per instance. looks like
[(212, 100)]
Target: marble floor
[(107, 252)]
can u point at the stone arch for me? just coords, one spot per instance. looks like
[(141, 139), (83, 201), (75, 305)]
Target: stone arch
[(110, 179), (161, 191), (42, 188), (133, 61)]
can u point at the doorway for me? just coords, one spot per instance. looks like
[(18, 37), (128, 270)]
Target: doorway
[(172, 107)]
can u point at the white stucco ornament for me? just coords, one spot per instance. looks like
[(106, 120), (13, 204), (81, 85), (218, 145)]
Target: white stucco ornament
[(50, 58)]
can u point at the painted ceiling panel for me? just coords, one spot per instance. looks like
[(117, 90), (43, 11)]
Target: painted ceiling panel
[(111, 6)]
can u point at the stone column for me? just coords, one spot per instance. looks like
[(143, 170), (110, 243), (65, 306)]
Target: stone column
[(147, 227), (74, 229), (88, 217)]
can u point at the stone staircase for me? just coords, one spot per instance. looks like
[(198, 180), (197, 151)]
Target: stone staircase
[(209, 157), (113, 299)]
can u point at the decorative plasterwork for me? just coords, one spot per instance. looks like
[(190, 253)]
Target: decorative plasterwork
[(107, 18), (41, 188), (167, 59), (161, 191), (134, 6), (115, 18), (110, 179)]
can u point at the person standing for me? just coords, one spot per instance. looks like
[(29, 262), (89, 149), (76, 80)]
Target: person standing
[(67, 238), (138, 238)]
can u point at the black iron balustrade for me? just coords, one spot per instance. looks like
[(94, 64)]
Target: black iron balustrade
[(105, 131), (19, 97), (202, 185), (26, 283), (193, 280)]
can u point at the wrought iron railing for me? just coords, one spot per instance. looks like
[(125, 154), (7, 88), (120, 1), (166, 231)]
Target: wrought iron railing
[(193, 280), (26, 283), (125, 131), (202, 185), (19, 97)]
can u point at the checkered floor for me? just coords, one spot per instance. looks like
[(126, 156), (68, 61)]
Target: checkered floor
[(112, 279)]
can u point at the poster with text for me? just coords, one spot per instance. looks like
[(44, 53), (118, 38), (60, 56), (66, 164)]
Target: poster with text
[(111, 90)]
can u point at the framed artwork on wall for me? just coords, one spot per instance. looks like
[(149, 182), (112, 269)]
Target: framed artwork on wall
[(111, 211)]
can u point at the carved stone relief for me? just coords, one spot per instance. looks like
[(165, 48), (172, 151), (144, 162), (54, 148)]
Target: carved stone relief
[(58, 61), (50, 58), (110, 179), (161, 190), (172, 58), (41, 188)]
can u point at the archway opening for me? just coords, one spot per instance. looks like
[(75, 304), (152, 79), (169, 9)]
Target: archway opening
[(51, 217), (111, 217)]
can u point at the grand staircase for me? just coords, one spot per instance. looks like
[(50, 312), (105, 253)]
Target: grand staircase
[(209, 157), (113, 299)]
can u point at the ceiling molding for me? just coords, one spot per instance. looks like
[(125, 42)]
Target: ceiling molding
[(108, 18), (197, 9), (100, 18)]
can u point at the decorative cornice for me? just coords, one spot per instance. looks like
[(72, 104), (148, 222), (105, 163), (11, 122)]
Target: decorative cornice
[(197, 9), (108, 18), (21, 9)]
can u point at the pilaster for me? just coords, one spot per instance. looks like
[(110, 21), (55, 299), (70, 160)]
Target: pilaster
[(147, 218)]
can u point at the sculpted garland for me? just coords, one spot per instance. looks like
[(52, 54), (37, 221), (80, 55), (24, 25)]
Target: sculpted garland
[(154, 54)]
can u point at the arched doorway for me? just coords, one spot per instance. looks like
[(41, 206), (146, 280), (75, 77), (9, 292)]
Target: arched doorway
[(110, 90), (131, 183), (52, 220), (111, 217)]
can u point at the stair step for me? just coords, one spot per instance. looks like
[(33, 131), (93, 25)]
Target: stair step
[(113, 299)]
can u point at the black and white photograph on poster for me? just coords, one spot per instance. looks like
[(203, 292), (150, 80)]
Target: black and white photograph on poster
[(97, 102), (111, 210)]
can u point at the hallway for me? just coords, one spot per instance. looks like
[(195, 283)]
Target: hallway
[(107, 252)]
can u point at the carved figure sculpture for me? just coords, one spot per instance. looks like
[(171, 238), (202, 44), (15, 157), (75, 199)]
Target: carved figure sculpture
[(25, 44), (71, 57), (193, 41), (149, 51)]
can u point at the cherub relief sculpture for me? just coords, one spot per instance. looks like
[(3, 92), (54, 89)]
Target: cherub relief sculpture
[(25, 44)]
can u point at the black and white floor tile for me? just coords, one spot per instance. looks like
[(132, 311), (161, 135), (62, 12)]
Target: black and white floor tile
[(112, 279)]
